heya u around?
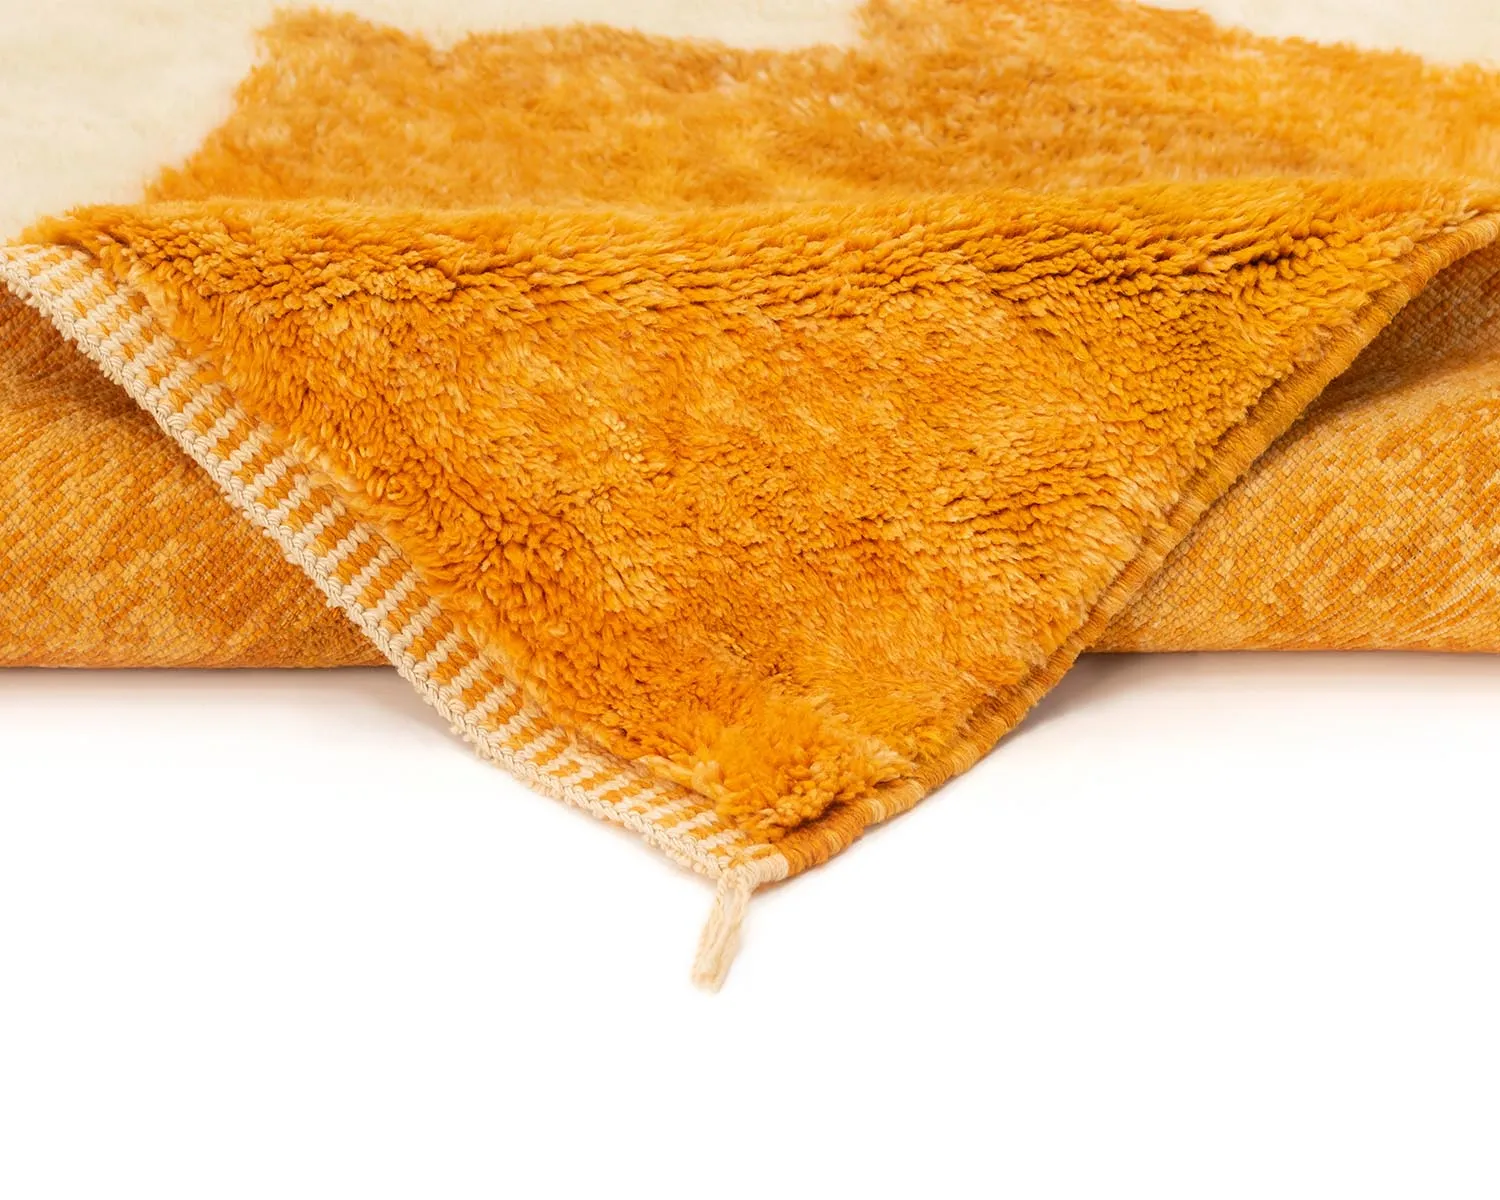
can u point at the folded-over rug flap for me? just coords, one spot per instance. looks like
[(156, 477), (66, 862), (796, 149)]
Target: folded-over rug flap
[(782, 502), (782, 425)]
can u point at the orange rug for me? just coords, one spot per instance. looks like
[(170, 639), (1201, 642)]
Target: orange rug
[(738, 443)]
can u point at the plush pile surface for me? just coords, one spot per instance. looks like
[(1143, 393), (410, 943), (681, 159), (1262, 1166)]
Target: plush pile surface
[(737, 443)]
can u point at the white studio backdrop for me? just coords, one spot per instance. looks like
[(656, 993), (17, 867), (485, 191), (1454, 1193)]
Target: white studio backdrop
[(1237, 940)]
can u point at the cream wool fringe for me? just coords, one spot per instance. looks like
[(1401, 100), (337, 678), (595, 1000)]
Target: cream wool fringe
[(720, 940)]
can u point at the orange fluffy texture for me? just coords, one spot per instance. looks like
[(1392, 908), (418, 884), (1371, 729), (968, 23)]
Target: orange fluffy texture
[(750, 496), (786, 423)]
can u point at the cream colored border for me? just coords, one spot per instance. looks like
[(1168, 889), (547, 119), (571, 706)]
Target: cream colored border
[(367, 577)]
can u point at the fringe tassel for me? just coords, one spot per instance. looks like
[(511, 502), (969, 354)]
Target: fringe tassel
[(721, 935)]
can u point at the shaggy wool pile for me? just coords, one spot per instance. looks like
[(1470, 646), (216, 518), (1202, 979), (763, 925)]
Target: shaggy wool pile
[(737, 443)]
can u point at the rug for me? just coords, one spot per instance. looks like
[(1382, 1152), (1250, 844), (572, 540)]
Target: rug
[(737, 442)]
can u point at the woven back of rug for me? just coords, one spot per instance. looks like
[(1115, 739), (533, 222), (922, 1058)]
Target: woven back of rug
[(738, 443)]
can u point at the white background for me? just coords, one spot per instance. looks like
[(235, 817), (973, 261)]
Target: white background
[(1204, 926)]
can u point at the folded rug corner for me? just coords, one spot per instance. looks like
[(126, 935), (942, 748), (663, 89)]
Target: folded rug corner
[(738, 443)]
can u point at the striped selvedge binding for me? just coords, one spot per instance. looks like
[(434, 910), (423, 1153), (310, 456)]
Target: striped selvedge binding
[(363, 574)]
